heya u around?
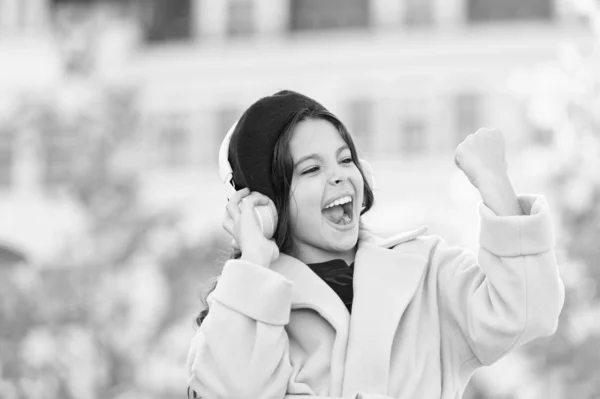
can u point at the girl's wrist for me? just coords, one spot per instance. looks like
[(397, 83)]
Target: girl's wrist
[(499, 195), (256, 257)]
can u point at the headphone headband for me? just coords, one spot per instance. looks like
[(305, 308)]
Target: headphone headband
[(225, 170)]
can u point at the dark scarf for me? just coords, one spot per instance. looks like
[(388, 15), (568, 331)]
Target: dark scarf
[(339, 276)]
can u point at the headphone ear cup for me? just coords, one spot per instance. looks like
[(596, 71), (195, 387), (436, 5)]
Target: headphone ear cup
[(265, 214), (267, 218), (368, 172)]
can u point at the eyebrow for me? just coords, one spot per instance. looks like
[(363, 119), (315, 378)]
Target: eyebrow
[(317, 156)]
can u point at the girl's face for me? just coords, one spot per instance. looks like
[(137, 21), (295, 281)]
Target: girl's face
[(326, 194)]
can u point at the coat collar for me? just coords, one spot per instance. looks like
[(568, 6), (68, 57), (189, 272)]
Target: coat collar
[(385, 282), (375, 267), (312, 292)]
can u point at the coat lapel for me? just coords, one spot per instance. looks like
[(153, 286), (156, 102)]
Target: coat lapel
[(310, 291), (385, 281)]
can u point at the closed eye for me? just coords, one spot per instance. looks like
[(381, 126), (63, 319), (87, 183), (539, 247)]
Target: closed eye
[(347, 160), (311, 170)]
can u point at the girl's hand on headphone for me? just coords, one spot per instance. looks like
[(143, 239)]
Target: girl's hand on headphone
[(242, 225)]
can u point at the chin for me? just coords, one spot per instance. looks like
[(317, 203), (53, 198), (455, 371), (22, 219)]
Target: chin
[(344, 243)]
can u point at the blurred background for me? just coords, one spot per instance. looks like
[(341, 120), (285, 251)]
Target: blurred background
[(112, 112)]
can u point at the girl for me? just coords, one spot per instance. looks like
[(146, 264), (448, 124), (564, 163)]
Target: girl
[(322, 311)]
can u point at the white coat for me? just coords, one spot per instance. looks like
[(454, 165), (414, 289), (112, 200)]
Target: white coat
[(425, 316)]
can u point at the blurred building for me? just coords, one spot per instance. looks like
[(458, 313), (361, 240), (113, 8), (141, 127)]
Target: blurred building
[(410, 79)]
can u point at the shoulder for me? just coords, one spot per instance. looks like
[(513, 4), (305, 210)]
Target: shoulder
[(416, 242), (417, 236)]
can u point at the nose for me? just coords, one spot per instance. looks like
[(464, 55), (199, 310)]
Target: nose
[(337, 177)]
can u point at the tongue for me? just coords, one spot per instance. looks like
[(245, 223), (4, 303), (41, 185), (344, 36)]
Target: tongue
[(334, 214)]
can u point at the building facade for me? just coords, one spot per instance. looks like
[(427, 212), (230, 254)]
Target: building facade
[(409, 78)]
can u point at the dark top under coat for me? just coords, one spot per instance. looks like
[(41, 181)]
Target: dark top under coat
[(339, 276)]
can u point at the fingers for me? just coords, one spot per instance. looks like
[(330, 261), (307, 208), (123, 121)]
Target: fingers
[(233, 209), (228, 226), (255, 199), (239, 194), (241, 212)]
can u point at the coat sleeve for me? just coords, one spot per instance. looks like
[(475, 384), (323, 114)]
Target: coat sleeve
[(510, 294), (357, 396), (241, 350)]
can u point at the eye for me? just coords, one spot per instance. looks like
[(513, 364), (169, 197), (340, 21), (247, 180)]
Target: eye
[(347, 160), (311, 170)]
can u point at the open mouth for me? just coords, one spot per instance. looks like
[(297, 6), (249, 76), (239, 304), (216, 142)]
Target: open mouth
[(339, 212)]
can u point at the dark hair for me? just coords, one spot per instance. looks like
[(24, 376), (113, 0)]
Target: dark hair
[(281, 177)]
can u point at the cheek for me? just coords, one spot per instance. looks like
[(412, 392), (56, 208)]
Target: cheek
[(358, 183), (305, 200)]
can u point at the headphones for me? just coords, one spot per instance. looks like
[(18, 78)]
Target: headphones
[(266, 215)]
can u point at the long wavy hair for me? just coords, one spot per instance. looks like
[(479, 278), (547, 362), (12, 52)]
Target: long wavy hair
[(281, 179)]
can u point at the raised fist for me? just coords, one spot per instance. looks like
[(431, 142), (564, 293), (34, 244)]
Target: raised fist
[(481, 156)]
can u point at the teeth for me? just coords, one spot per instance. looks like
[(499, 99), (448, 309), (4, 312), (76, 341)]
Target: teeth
[(340, 201)]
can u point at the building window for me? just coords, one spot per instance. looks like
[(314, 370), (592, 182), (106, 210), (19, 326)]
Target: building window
[(240, 18), (307, 15), (418, 13), (509, 10), (18, 16), (413, 135), (6, 157), (469, 115), (167, 20), (360, 114), (173, 142)]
